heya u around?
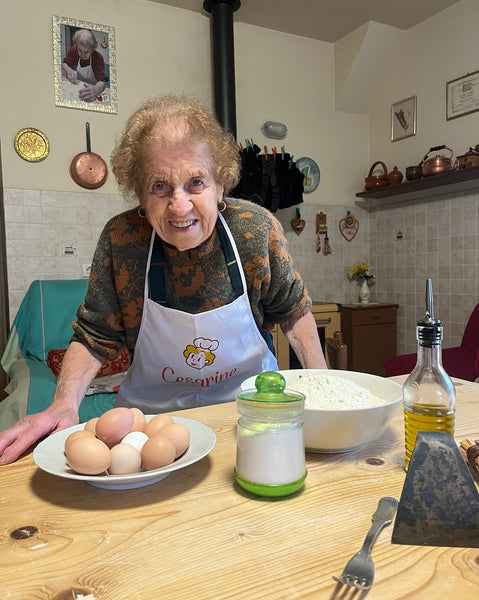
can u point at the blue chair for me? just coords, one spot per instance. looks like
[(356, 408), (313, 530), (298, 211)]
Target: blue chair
[(43, 323)]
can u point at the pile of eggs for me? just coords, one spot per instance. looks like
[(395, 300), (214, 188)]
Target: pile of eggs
[(121, 441)]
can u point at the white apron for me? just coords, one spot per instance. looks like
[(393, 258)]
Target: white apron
[(86, 73), (185, 360)]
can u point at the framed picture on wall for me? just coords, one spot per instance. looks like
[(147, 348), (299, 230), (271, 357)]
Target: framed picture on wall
[(462, 96), (84, 65), (403, 119)]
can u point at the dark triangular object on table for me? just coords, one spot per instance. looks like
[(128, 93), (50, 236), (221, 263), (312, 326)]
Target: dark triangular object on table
[(439, 503)]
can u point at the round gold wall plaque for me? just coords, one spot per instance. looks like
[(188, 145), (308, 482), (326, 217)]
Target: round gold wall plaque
[(31, 144)]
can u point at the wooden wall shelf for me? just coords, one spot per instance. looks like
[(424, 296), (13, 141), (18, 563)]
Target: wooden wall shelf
[(427, 188)]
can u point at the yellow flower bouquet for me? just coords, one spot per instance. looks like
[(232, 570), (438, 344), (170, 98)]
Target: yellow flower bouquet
[(360, 273)]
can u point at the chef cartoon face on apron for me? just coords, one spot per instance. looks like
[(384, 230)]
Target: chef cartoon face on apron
[(185, 360)]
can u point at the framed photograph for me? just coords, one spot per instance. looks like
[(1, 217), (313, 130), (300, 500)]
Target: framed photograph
[(462, 96), (403, 119), (84, 65)]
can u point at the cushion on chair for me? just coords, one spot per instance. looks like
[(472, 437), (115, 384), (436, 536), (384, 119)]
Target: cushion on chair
[(109, 367)]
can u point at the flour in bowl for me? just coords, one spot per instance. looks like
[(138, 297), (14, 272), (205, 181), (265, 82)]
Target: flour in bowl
[(333, 393)]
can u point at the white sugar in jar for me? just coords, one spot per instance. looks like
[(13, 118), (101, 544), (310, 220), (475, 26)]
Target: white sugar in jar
[(270, 458)]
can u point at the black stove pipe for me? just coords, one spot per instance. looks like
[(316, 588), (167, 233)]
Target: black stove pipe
[(222, 39)]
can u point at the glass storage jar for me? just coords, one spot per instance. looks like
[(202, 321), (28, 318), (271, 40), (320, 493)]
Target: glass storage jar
[(270, 456)]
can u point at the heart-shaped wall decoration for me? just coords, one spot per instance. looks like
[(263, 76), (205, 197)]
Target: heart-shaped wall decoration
[(298, 225), (349, 226)]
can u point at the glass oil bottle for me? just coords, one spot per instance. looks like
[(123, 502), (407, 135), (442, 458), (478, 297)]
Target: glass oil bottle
[(428, 392)]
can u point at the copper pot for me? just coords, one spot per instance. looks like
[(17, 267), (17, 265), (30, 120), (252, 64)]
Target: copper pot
[(438, 164), (88, 169)]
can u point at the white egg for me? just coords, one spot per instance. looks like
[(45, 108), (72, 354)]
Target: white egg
[(124, 459), (136, 439)]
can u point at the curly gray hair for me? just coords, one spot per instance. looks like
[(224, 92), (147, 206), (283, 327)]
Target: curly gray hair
[(86, 38), (173, 120)]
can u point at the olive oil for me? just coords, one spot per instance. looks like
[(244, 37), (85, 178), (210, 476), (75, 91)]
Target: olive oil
[(428, 393), (429, 419)]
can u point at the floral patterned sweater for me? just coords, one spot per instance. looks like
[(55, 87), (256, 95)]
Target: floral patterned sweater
[(196, 280)]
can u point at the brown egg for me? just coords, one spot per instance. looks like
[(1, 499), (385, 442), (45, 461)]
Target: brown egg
[(77, 434), (156, 423), (124, 459), (139, 421), (88, 455), (91, 424), (158, 451), (179, 435), (113, 425)]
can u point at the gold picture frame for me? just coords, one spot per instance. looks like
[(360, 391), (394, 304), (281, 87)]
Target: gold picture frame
[(403, 119), (66, 91), (462, 96)]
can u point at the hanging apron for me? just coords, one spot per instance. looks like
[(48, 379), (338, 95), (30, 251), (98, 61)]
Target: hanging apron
[(86, 73), (185, 360)]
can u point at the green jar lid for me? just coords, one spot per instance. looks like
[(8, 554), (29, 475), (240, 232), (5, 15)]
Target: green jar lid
[(271, 389)]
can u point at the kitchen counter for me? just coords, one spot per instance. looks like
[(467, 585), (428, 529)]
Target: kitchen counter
[(197, 536)]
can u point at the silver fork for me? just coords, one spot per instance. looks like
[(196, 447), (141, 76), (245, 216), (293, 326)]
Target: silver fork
[(359, 571)]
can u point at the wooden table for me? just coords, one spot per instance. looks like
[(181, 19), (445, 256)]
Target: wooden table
[(197, 536)]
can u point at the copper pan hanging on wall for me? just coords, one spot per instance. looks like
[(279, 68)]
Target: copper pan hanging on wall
[(88, 169)]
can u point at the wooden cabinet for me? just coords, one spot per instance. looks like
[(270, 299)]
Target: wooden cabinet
[(369, 331)]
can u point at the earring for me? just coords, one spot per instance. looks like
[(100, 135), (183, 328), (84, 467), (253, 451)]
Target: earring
[(141, 212), (222, 206)]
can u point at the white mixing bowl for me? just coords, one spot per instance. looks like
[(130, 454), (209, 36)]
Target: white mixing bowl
[(341, 430)]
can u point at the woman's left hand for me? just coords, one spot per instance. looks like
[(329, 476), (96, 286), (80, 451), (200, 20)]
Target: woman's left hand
[(88, 93)]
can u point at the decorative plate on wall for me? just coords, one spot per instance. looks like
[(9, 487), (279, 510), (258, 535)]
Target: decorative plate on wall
[(310, 170), (31, 144)]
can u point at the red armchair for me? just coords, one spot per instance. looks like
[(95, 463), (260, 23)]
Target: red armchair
[(461, 362)]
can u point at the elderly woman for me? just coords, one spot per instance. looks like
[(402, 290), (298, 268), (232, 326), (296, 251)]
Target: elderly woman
[(190, 280), (84, 63)]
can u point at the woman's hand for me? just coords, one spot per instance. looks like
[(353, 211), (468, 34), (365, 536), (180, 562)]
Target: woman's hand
[(89, 93), (17, 439), (72, 76), (80, 365)]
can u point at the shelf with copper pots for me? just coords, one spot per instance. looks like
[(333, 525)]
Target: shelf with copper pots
[(424, 189)]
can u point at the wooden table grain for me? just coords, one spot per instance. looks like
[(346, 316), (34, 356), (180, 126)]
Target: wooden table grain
[(197, 536)]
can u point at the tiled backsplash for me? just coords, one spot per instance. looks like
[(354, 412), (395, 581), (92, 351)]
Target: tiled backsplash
[(403, 245), (40, 224)]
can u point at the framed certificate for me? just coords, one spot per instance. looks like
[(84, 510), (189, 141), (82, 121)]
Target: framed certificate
[(462, 96)]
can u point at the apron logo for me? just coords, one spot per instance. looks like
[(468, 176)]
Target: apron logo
[(200, 353)]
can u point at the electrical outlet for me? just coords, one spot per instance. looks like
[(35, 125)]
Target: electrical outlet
[(69, 250), (86, 270)]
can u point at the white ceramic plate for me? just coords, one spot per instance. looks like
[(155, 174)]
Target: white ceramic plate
[(311, 173), (49, 456)]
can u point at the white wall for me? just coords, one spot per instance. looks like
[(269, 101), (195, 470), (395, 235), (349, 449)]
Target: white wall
[(439, 50), (162, 49), (290, 79), (159, 50)]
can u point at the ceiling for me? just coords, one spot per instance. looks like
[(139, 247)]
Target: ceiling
[(326, 20)]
